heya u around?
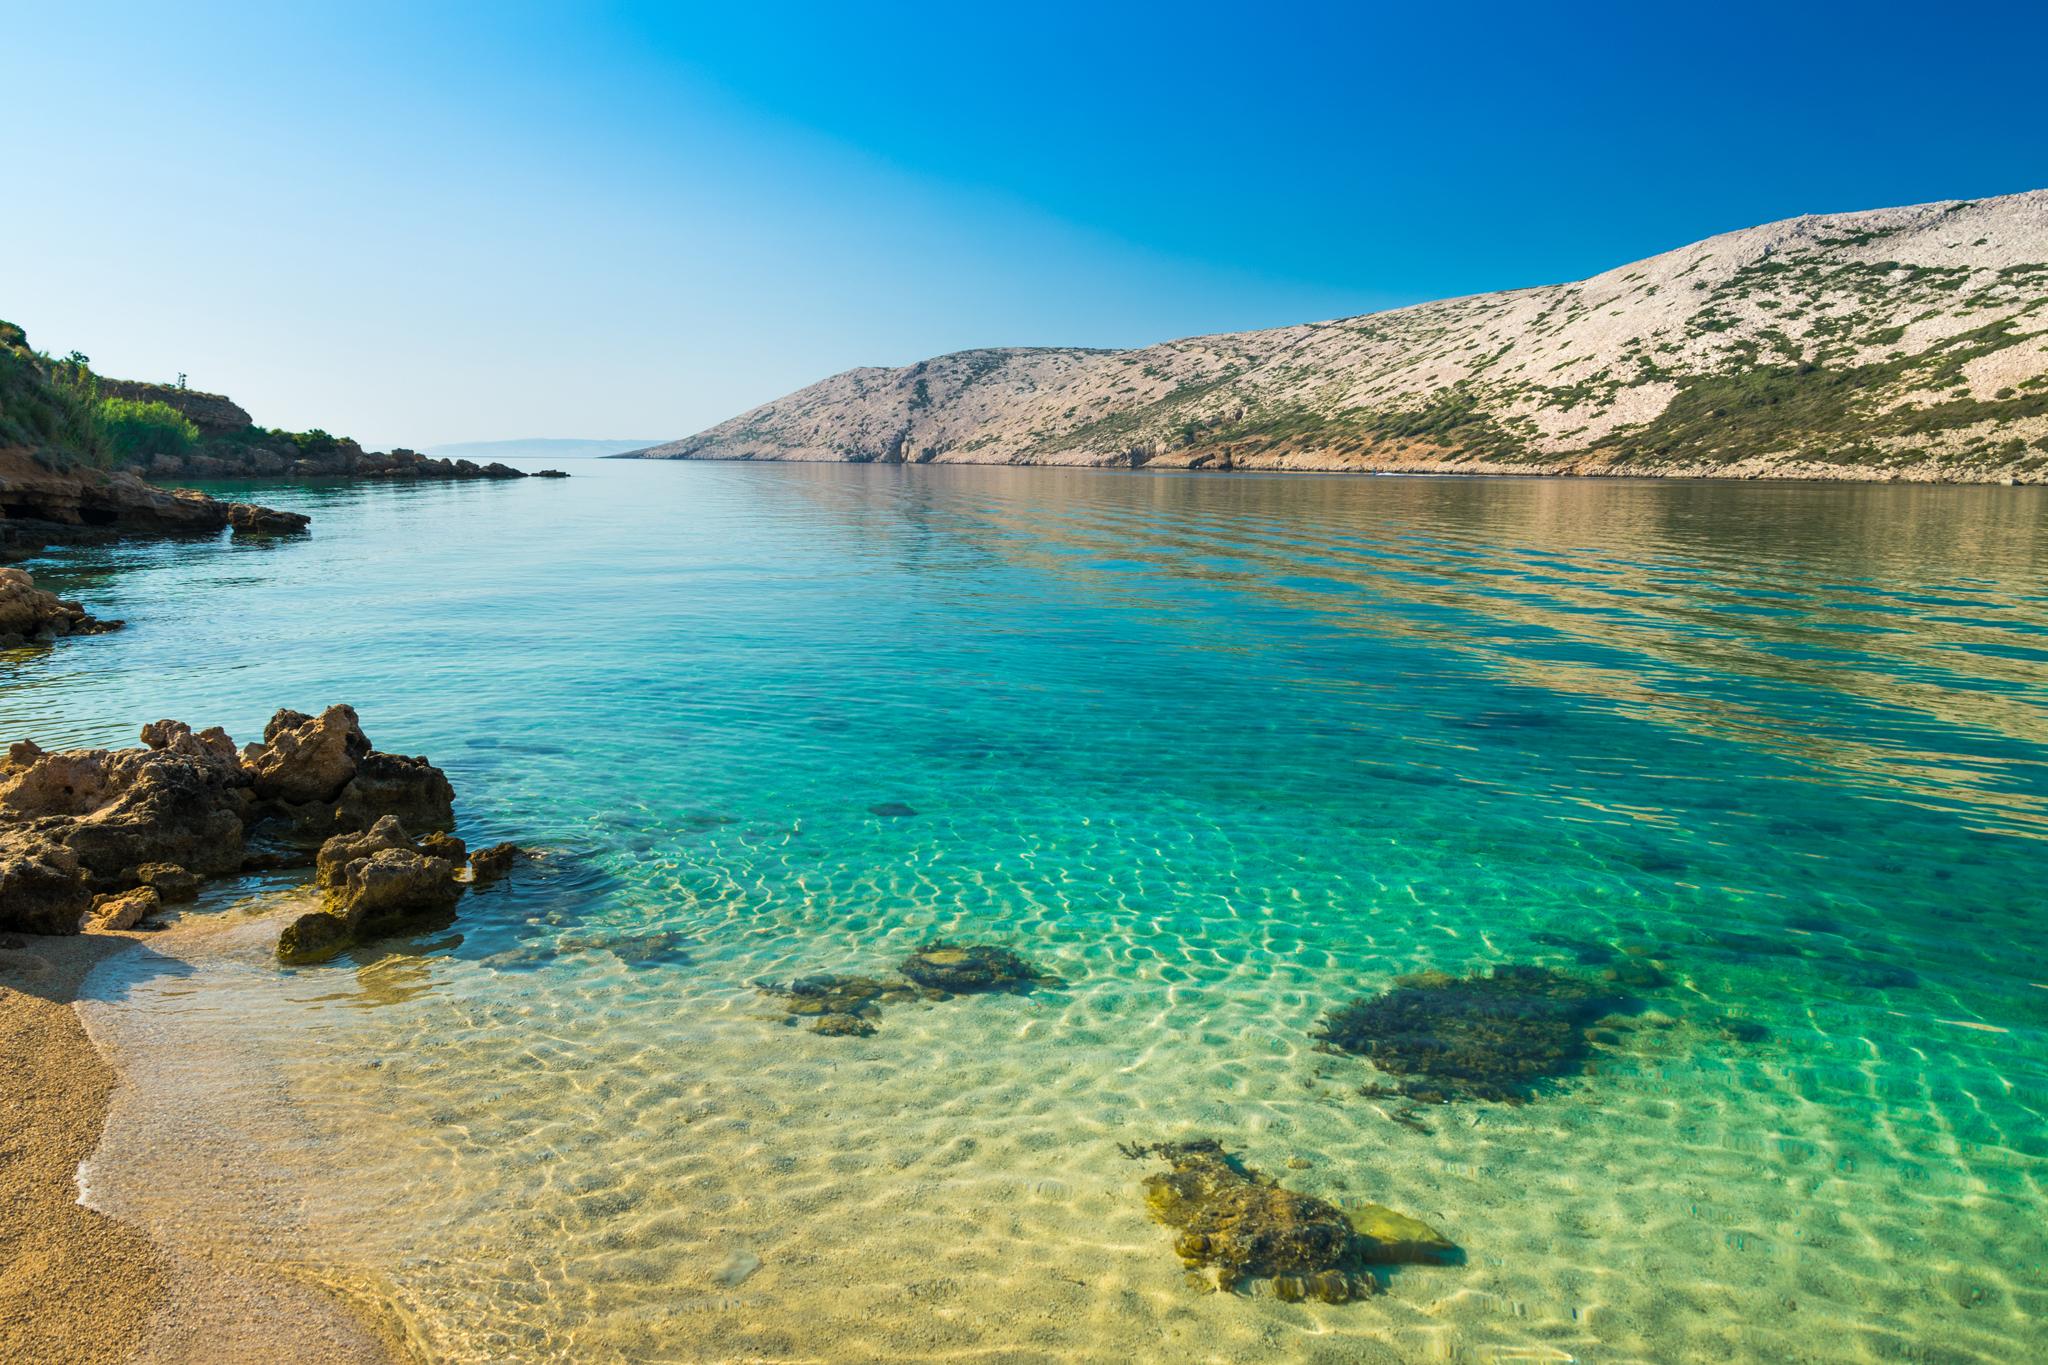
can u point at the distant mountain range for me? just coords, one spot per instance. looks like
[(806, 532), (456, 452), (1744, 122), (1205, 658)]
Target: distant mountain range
[(536, 448), (1907, 343)]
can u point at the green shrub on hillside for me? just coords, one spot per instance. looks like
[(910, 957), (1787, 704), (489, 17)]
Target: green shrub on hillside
[(136, 430), (48, 406)]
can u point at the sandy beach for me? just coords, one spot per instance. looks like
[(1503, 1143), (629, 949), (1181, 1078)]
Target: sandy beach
[(77, 1287)]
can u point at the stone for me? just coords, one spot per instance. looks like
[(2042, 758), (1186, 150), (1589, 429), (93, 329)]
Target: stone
[(251, 521), (42, 888), (1484, 1037), (307, 758), (488, 865), (966, 968), (842, 1026), (28, 614), (172, 883), (330, 866), (124, 910), (412, 789), (1244, 1226), (1389, 1238)]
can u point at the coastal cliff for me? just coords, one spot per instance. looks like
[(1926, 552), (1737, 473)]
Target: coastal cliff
[(1906, 343)]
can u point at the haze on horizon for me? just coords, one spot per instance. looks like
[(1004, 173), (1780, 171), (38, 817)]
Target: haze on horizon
[(516, 221)]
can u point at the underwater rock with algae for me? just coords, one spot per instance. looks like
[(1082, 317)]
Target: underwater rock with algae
[(965, 968), (1478, 1037), (839, 1006), (1243, 1226)]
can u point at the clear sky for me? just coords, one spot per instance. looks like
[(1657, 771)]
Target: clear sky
[(435, 222)]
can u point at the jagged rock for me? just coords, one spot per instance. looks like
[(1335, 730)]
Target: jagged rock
[(44, 501), (306, 759), (182, 809), (371, 882), (173, 884), (550, 474), (248, 519), (124, 909), (488, 865), (29, 614), (42, 888), (332, 864)]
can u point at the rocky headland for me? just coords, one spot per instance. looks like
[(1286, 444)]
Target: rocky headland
[(45, 501), (1897, 344)]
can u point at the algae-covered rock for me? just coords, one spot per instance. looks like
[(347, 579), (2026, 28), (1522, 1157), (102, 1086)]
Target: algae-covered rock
[(964, 968), (1483, 1037), (1385, 1237), (1244, 1226), (838, 1006)]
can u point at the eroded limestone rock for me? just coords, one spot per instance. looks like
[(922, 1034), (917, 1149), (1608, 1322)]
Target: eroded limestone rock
[(184, 808), (373, 882), (29, 615)]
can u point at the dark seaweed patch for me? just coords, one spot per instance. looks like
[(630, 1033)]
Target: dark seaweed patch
[(1493, 1037)]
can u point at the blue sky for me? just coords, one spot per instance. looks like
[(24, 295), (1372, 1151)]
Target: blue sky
[(430, 223)]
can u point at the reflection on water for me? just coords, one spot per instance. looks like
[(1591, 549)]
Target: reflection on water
[(1220, 752)]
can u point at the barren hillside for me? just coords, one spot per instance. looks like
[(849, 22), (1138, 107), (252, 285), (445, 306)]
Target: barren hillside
[(1899, 343)]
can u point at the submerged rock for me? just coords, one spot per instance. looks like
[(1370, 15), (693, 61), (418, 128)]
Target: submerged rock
[(1482, 1037), (936, 971), (1385, 1237), (1243, 1226), (838, 1006), (29, 615), (891, 810), (964, 968)]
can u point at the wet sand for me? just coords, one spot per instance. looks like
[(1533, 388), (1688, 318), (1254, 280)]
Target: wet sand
[(77, 1287)]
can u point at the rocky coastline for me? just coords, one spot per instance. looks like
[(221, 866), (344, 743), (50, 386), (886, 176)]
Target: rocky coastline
[(45, 501), (338, 459), (100, 840)]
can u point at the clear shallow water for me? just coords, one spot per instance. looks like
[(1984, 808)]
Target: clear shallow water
[(1219, 751)]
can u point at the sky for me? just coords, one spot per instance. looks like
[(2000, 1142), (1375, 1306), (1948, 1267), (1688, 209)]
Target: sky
[(417, 224)]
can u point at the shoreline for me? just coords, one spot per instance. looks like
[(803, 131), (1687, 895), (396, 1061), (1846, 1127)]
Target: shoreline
[(1760, 470), (78, 1287)]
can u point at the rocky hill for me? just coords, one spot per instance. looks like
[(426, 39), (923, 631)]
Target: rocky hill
[(1907, 343)]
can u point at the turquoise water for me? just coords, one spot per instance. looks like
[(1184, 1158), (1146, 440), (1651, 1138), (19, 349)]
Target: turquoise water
[(1219, 751)]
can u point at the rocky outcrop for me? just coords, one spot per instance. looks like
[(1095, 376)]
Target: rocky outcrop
[(372, 882), (30, 615), (249, 519), (45, 502), (1907, 343), (82, 823), (214, 414), (277, 455)]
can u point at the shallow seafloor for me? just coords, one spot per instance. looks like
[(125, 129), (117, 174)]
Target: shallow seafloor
[(1221, 752)]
